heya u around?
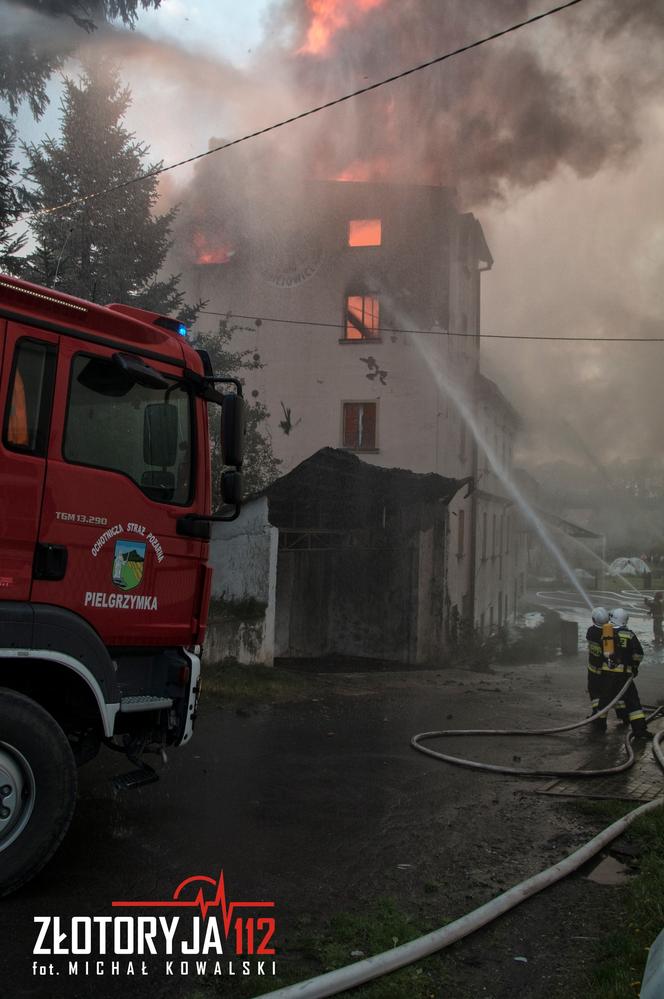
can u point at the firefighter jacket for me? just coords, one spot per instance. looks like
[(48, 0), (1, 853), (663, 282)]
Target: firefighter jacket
[(595, 653), (628, 652)]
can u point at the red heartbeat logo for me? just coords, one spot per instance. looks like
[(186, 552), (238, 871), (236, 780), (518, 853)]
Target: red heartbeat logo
[(219, 901)]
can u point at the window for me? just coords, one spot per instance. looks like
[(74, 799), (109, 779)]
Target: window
[(365, 232), (461, 524), (30, 393), (485, 531), (462, 441), (362, 317), (359, 426), (142, 432)]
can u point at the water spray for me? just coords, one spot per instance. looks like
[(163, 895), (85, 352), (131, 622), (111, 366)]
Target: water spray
[(455, 395), (605, 565)]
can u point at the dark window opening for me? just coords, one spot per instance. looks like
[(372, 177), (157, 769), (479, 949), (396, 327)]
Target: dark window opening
[(461, 524), (462, 441), (359, 426)]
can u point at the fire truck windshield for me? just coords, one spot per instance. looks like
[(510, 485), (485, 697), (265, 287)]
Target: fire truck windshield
[(140, 431)]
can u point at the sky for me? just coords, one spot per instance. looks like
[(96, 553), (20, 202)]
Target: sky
[(553, 138), (210, 25)]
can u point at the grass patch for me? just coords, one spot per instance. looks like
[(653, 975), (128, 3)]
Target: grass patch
[(603, 809), (621, 955), (254, 685), (379, 928)]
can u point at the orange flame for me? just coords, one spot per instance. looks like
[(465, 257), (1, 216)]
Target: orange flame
[(210, 251), (365, 232), (365, 170), (328, 17)]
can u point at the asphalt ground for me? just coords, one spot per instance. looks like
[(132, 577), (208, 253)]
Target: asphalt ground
[(323, 807)]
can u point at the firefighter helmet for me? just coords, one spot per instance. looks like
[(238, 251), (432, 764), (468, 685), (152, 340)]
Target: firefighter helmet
[(600, 616), (619, 617)]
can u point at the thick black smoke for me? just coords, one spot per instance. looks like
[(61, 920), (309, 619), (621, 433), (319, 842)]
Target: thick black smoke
[(508, 113)]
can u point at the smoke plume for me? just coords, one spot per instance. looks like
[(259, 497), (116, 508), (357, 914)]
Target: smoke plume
[(552, 135)]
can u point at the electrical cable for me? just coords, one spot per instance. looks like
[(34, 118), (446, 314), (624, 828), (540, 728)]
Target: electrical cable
[(304, 114), (468, 336), (352, 975)]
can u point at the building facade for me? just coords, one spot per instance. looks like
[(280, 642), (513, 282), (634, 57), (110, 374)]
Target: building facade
[(502, 534), (338, 282)]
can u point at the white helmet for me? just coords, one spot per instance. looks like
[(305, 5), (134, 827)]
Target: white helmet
[(619, 617), (600, 616)]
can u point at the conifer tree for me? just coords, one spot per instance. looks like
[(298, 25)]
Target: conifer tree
[(13, 201), (110, 248), (38, 35), (260, 467)]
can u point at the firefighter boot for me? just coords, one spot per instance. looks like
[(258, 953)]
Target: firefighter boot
[(640, 729)]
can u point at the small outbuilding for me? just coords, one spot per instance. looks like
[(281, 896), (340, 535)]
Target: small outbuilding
[(337, 558)]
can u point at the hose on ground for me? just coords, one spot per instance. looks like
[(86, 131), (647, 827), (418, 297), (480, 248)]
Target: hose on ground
[(342, 979), (531, 772)]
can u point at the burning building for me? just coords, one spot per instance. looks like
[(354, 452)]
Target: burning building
[(338, 280), (342, 275)]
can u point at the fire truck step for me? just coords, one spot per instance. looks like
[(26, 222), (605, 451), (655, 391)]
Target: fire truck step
[(144, 702), (135, 778)]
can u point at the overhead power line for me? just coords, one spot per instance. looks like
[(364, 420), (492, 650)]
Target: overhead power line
[(305, 114), (441, 332)]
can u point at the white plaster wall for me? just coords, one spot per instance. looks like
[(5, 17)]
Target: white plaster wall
[(243, 554)]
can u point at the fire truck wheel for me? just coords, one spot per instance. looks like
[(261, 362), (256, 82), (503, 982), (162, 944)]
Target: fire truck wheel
[(37, 788)]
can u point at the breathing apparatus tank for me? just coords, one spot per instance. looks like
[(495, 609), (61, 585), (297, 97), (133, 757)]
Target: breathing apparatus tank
[(608, 642)]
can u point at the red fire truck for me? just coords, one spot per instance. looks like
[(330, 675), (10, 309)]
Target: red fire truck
[(104, 527)]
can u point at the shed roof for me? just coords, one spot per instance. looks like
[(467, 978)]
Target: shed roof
[(335, 488)]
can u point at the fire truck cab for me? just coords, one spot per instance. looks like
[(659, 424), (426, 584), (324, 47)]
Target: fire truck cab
[(104, 526)]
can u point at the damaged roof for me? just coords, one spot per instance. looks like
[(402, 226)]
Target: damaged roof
[(334, 488)]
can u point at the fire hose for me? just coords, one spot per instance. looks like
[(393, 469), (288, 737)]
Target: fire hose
[(352, 975)]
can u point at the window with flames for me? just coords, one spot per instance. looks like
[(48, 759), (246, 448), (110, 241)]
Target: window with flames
[(365, 232), (362, 317)]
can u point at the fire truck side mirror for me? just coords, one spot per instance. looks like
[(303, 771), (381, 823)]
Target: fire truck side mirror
[(160, 434), (231, 488), (233, 429)]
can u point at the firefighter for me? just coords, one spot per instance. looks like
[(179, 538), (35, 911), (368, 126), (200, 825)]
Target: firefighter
[(597, 637), (622, 657), (656, 611)]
